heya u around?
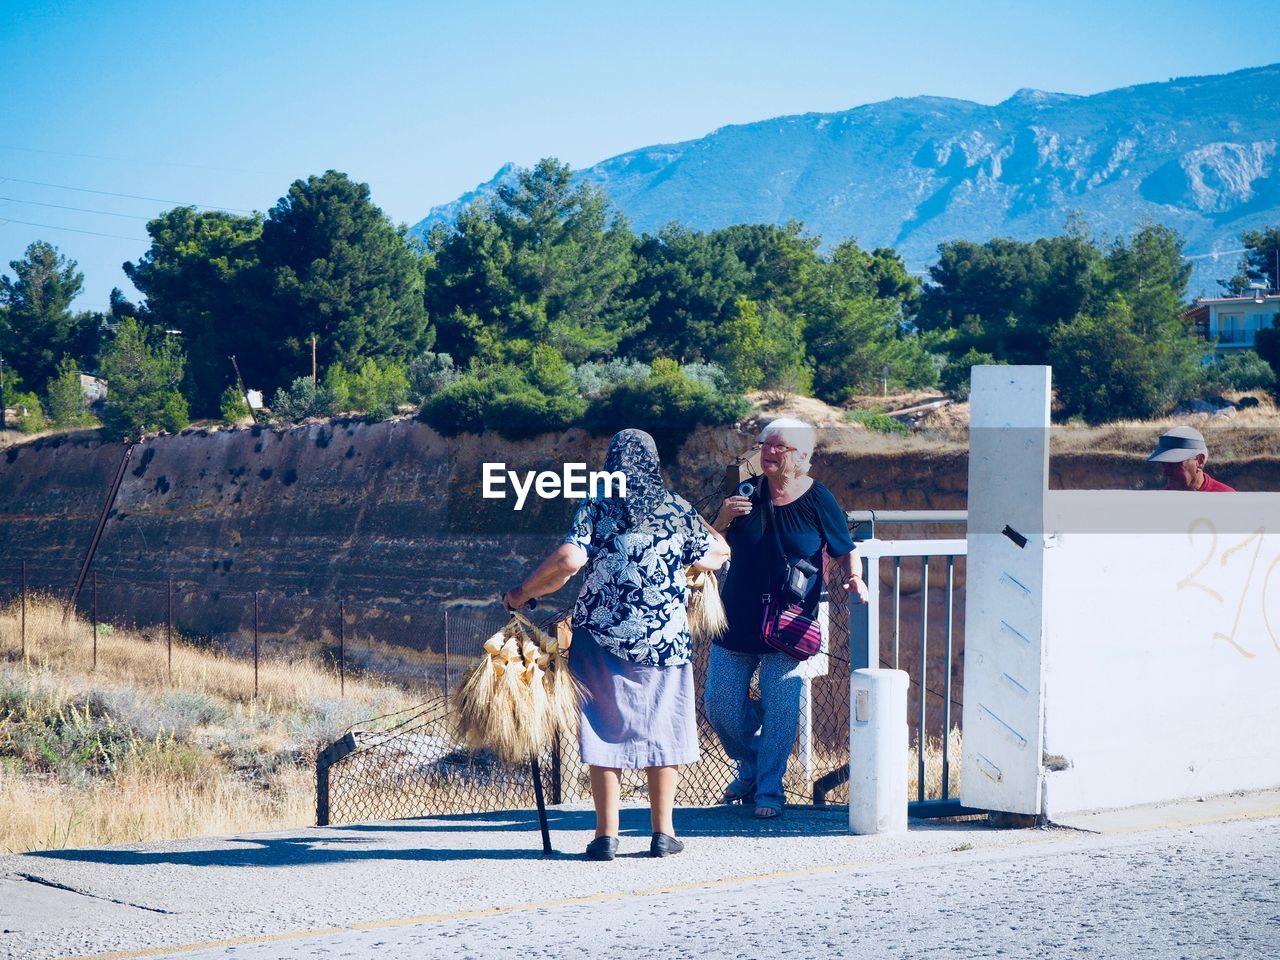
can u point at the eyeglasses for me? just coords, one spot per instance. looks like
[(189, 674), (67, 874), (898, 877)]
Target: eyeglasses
[(775, 447)]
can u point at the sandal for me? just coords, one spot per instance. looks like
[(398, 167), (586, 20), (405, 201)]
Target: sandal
[(767, 812), (738, 793)]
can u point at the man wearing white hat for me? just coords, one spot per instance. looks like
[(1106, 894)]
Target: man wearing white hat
[(1182, 454)]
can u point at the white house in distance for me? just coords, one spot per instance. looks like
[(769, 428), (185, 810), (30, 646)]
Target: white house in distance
[(93, 388), (1231, 322)]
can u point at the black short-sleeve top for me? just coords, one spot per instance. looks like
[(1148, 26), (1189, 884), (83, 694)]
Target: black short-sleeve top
[(807, 526)]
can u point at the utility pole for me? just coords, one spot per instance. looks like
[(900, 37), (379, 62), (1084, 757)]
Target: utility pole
[(313, 362), (244, 393), (3, 424)]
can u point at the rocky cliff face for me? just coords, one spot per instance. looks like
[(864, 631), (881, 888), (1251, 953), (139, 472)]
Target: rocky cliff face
[(1196, 153)]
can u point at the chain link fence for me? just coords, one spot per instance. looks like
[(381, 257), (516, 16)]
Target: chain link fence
[(411, 765), (419, 770)]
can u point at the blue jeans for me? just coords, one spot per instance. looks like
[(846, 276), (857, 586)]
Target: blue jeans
[(758, 734)]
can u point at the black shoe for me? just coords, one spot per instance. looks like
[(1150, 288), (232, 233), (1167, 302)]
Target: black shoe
[(664, 845), (602, 848)]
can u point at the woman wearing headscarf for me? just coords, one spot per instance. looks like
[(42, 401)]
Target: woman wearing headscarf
[(630, 647), (759, 734)]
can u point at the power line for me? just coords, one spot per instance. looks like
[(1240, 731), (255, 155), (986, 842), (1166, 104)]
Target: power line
[(157, 163), (127, 196), (59, 206), (92, 233)]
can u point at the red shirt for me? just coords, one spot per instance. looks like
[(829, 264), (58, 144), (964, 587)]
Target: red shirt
[(1211, 485)]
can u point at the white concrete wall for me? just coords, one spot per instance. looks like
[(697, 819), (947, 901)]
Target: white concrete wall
[(1162, 646)]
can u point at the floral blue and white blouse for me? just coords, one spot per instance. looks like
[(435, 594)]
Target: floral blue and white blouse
[(633, 598)]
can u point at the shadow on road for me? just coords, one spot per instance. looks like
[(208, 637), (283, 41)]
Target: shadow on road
[(358, 842)]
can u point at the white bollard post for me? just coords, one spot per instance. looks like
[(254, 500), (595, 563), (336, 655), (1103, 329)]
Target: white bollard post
[(878, 751)]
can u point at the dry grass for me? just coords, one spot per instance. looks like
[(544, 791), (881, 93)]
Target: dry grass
[(147, 800), (932, 770), (125, 658), (933, 767), (125, 753), (1246, 435)]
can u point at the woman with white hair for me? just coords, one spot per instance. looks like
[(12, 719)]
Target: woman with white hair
[(789, 517)]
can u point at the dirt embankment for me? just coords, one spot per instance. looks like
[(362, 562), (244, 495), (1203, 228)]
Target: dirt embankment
[(390, 515)]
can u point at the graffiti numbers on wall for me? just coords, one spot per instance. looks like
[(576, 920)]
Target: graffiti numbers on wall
[(1250, 547)]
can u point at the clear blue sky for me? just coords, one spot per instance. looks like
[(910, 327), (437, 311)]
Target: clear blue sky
[(225, 104)]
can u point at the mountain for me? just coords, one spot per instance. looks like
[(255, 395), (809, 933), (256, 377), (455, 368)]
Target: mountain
[(1196, 153)]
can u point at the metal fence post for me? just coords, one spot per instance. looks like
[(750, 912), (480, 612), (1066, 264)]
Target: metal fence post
[(168, 630), (864, 618), (255, 644), (24, 609), (557, 787), (342, 647), (95, 620), (448, 680), (322, 792)]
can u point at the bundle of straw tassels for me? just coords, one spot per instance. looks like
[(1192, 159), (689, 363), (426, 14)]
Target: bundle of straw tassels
[(707, 619), (518, 694)]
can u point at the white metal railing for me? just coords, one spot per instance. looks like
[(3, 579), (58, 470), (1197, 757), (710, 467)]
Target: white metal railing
[(864, 646)]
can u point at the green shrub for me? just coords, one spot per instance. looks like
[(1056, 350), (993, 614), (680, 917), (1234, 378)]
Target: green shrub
[(31, 418), (231, 405), (1241, 371), (954, 379), (376, 390), (710, 375), (1104, 370), (457, 408), (547, 395), (1267, 344), (505, 399), (65, 401), (877, 420), (527, 412), (666, 403), (593, 379), (794, 380), (302, 400), (143, 369), (430, 373)]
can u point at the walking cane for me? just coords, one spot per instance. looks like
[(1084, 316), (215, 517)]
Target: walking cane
[(536, 770)]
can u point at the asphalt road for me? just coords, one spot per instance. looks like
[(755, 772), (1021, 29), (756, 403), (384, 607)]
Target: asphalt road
[(1196, 880), (1208, 892)]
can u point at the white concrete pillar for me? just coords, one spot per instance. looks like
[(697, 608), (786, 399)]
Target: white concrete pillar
[(1004, 589), (878, 751)]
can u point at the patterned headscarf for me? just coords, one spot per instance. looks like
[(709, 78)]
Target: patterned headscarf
[(635, 455)]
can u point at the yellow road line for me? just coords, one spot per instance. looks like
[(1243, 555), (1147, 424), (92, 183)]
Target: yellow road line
[(467, 914), (397, 922)]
